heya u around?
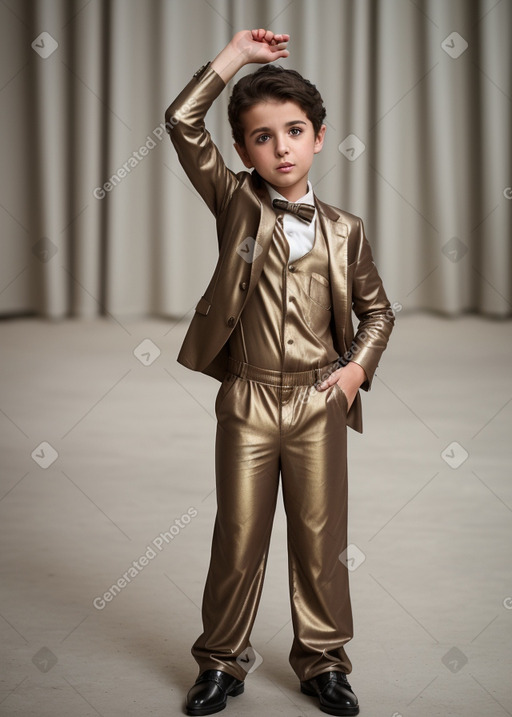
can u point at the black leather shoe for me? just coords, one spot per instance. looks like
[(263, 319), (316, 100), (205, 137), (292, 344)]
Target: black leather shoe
[(210, 692), (334, 691)]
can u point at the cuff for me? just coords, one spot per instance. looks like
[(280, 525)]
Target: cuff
[(200, 72)]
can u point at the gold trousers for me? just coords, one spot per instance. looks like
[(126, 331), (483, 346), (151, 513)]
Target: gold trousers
[(269, 427)]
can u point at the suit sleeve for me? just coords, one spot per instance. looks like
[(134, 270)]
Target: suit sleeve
[(197, 153), (372, 308)]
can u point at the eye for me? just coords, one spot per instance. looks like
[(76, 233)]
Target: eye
[(295, 131), (262, 138)]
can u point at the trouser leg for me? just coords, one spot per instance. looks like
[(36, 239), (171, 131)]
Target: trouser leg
[(247, 479), (314, 475)]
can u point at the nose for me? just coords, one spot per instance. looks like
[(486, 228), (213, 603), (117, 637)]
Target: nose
[(281, 146)]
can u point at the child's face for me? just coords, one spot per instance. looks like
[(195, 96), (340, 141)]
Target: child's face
[(280, 144)]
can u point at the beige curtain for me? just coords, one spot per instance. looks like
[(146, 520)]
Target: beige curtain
[(98, 217)]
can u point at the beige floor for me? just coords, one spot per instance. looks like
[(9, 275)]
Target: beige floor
[(432, 599)]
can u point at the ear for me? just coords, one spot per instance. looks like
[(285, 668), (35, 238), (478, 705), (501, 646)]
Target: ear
[(244, 155), (319, 139)]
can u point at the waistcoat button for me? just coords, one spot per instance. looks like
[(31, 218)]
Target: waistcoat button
[(292, 268), (231, 321), (243, 285)]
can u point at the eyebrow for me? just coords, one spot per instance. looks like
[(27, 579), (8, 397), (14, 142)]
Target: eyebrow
[(267, 129)]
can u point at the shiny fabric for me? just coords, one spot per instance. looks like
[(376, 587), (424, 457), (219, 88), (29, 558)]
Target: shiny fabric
[(286, 324), (305, 212), (245, 223), (266, 430), (263, 431)]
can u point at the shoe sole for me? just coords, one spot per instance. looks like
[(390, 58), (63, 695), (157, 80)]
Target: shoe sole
[(341, 712), (199, 712)]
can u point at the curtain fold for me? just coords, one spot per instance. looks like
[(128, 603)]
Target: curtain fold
[(99, 219)]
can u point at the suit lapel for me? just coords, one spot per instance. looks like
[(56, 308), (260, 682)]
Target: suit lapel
[(265, 231), (336, 235)]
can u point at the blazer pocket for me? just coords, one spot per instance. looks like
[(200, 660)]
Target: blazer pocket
[(203, 306), (319, 290)]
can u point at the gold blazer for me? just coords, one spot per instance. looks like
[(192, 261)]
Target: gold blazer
[(245, 223)]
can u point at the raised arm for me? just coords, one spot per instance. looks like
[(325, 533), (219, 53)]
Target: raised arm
[(184, 118)]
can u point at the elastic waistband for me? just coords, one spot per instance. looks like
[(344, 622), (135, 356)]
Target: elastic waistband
[(280, 378)]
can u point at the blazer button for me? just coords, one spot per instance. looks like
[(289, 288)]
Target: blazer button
[(292, 268), (231, 321), (243, 285)]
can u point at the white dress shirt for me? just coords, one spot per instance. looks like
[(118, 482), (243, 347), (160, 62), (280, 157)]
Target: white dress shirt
[(299, 234)]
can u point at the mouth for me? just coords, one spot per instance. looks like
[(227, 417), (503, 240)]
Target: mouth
[(285, 167)]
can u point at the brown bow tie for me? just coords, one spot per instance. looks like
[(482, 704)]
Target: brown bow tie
[(306, 212)]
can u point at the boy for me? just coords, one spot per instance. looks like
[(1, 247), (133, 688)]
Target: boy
[(275, 327)]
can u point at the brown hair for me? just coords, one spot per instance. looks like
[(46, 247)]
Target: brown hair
[(272, 82)]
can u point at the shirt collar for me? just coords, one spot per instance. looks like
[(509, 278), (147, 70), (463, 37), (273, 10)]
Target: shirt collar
[(308, 198)]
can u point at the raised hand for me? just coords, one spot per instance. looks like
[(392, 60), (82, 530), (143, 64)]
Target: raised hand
[(259, 46)]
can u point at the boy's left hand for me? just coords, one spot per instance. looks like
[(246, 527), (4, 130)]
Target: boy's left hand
[(349, 378)]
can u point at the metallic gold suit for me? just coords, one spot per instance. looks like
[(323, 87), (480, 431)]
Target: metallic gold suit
[(268, 330)]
